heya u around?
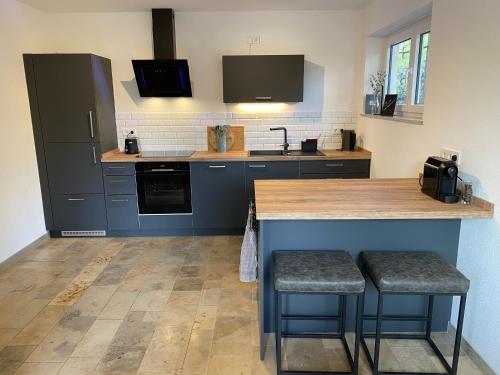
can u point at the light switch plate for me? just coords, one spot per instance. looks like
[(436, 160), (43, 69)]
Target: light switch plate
[(449, 153), (253, 39)]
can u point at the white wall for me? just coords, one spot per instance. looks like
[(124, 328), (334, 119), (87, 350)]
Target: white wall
[(21, 215), (331, 41), (461, 111)]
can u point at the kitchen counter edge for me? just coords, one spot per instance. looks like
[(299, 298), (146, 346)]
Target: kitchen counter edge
[(116, 156)]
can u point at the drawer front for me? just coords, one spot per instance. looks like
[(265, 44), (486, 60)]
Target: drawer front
[(79, 212), (118, 169), (120, 185), (122, 212), (273, 170), (335, 166), (318, 176)]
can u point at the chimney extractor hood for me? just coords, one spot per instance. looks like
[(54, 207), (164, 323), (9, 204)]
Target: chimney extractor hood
[(165, 76)]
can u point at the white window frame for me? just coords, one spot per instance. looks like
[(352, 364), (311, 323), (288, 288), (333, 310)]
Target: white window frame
[(412, 33)]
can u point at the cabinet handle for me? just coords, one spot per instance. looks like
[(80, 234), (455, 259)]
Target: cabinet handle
[(76, 199), (91, 124), (263, 98), (216, 166), (110, 167), (119, 200), (118, 181), (257, 166), (93, 155), (335, 165)]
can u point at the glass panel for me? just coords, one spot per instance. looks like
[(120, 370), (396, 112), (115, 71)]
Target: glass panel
[(422, 68), (398, 70)]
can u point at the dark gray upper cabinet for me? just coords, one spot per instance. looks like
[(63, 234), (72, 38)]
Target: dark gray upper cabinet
[(264, 78), (75, 98), (218, 195)]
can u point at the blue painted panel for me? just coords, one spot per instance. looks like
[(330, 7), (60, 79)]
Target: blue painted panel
[(354, 236)]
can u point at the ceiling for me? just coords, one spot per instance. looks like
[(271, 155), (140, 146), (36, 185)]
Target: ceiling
[(191, 5)]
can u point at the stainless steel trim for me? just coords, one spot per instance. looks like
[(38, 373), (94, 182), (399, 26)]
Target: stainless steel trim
[(91, 122), (83, 233), (111, 167), (76, 199), (334, 165), (93, 154), (431, 166), (257, 166), (118, 181), (216, 166), (263, 98), (119, 200)]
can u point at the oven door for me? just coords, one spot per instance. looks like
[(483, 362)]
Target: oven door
[(164, 193)]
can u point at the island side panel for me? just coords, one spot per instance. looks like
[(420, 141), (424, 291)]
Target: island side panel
[(354, 236)]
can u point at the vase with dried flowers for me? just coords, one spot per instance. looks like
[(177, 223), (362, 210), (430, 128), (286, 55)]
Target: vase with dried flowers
[(377, 82)]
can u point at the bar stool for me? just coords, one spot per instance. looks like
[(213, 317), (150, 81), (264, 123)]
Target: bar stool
[(412, 273), (318, 272)]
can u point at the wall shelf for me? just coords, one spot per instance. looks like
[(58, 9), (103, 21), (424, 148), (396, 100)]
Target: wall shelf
[(395, 118)]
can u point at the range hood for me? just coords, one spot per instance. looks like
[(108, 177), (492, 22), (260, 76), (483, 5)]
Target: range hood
[(165, 76)]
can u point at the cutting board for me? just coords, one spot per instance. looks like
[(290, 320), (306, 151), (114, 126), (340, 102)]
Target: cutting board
[(235, 138)]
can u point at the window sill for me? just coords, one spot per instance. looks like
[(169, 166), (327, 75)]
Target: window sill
[(395, 118)]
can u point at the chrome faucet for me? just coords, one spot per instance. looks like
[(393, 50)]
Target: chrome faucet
[(285, 143)]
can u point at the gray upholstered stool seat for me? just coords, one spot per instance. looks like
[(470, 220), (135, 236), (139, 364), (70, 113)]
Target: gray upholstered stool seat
[(316, 271), (413, 272)]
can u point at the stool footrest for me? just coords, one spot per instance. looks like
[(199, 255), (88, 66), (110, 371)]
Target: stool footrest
[(311, 335), (409, 318), (396, 336), (291, 372), (311, 317)]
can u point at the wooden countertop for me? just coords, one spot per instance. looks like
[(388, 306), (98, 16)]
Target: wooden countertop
[(356, 200), (116, 156)]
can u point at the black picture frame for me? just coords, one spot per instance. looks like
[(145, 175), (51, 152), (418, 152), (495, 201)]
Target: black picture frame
[(389, 105)]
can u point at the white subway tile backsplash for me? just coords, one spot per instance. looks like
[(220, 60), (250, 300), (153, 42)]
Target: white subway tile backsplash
[(188, 131)]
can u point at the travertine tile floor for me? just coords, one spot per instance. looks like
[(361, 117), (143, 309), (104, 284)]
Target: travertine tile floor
[(152, 306)]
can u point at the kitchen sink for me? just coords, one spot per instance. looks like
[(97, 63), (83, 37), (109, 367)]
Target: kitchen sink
[(284, 153), (266, 153)]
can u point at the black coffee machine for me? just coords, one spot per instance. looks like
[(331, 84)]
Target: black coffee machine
[(348, 140), (439, 180), (131, 144)]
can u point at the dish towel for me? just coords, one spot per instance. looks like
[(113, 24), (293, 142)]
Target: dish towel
[(248, 257)]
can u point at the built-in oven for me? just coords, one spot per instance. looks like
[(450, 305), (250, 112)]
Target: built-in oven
[(163, 188)]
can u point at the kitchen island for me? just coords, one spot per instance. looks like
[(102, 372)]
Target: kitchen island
[(354, 215)]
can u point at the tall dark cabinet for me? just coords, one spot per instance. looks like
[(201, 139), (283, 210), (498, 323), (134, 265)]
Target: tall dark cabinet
[(73, 116)]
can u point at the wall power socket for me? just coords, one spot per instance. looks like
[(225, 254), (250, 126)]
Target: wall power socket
[(449, 153)]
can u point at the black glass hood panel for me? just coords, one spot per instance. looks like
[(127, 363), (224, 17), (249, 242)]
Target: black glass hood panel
[(162, 78)]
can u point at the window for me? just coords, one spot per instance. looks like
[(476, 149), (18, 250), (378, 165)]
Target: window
[(422, 68), (407, 55), (399, 66)]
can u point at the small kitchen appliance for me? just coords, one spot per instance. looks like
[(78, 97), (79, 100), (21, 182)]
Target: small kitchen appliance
[(439, 180), (348, 140), (131, 144)]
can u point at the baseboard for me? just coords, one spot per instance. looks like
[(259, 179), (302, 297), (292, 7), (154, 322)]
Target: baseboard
[(23, 252), (471, 353)]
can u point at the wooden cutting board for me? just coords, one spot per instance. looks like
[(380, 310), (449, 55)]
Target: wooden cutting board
[(235, 138)]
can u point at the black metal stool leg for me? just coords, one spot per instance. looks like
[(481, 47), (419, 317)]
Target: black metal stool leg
[(458, 336), (342, 314), (277, 330), (430, 308), (359, 331), (376, 354)]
